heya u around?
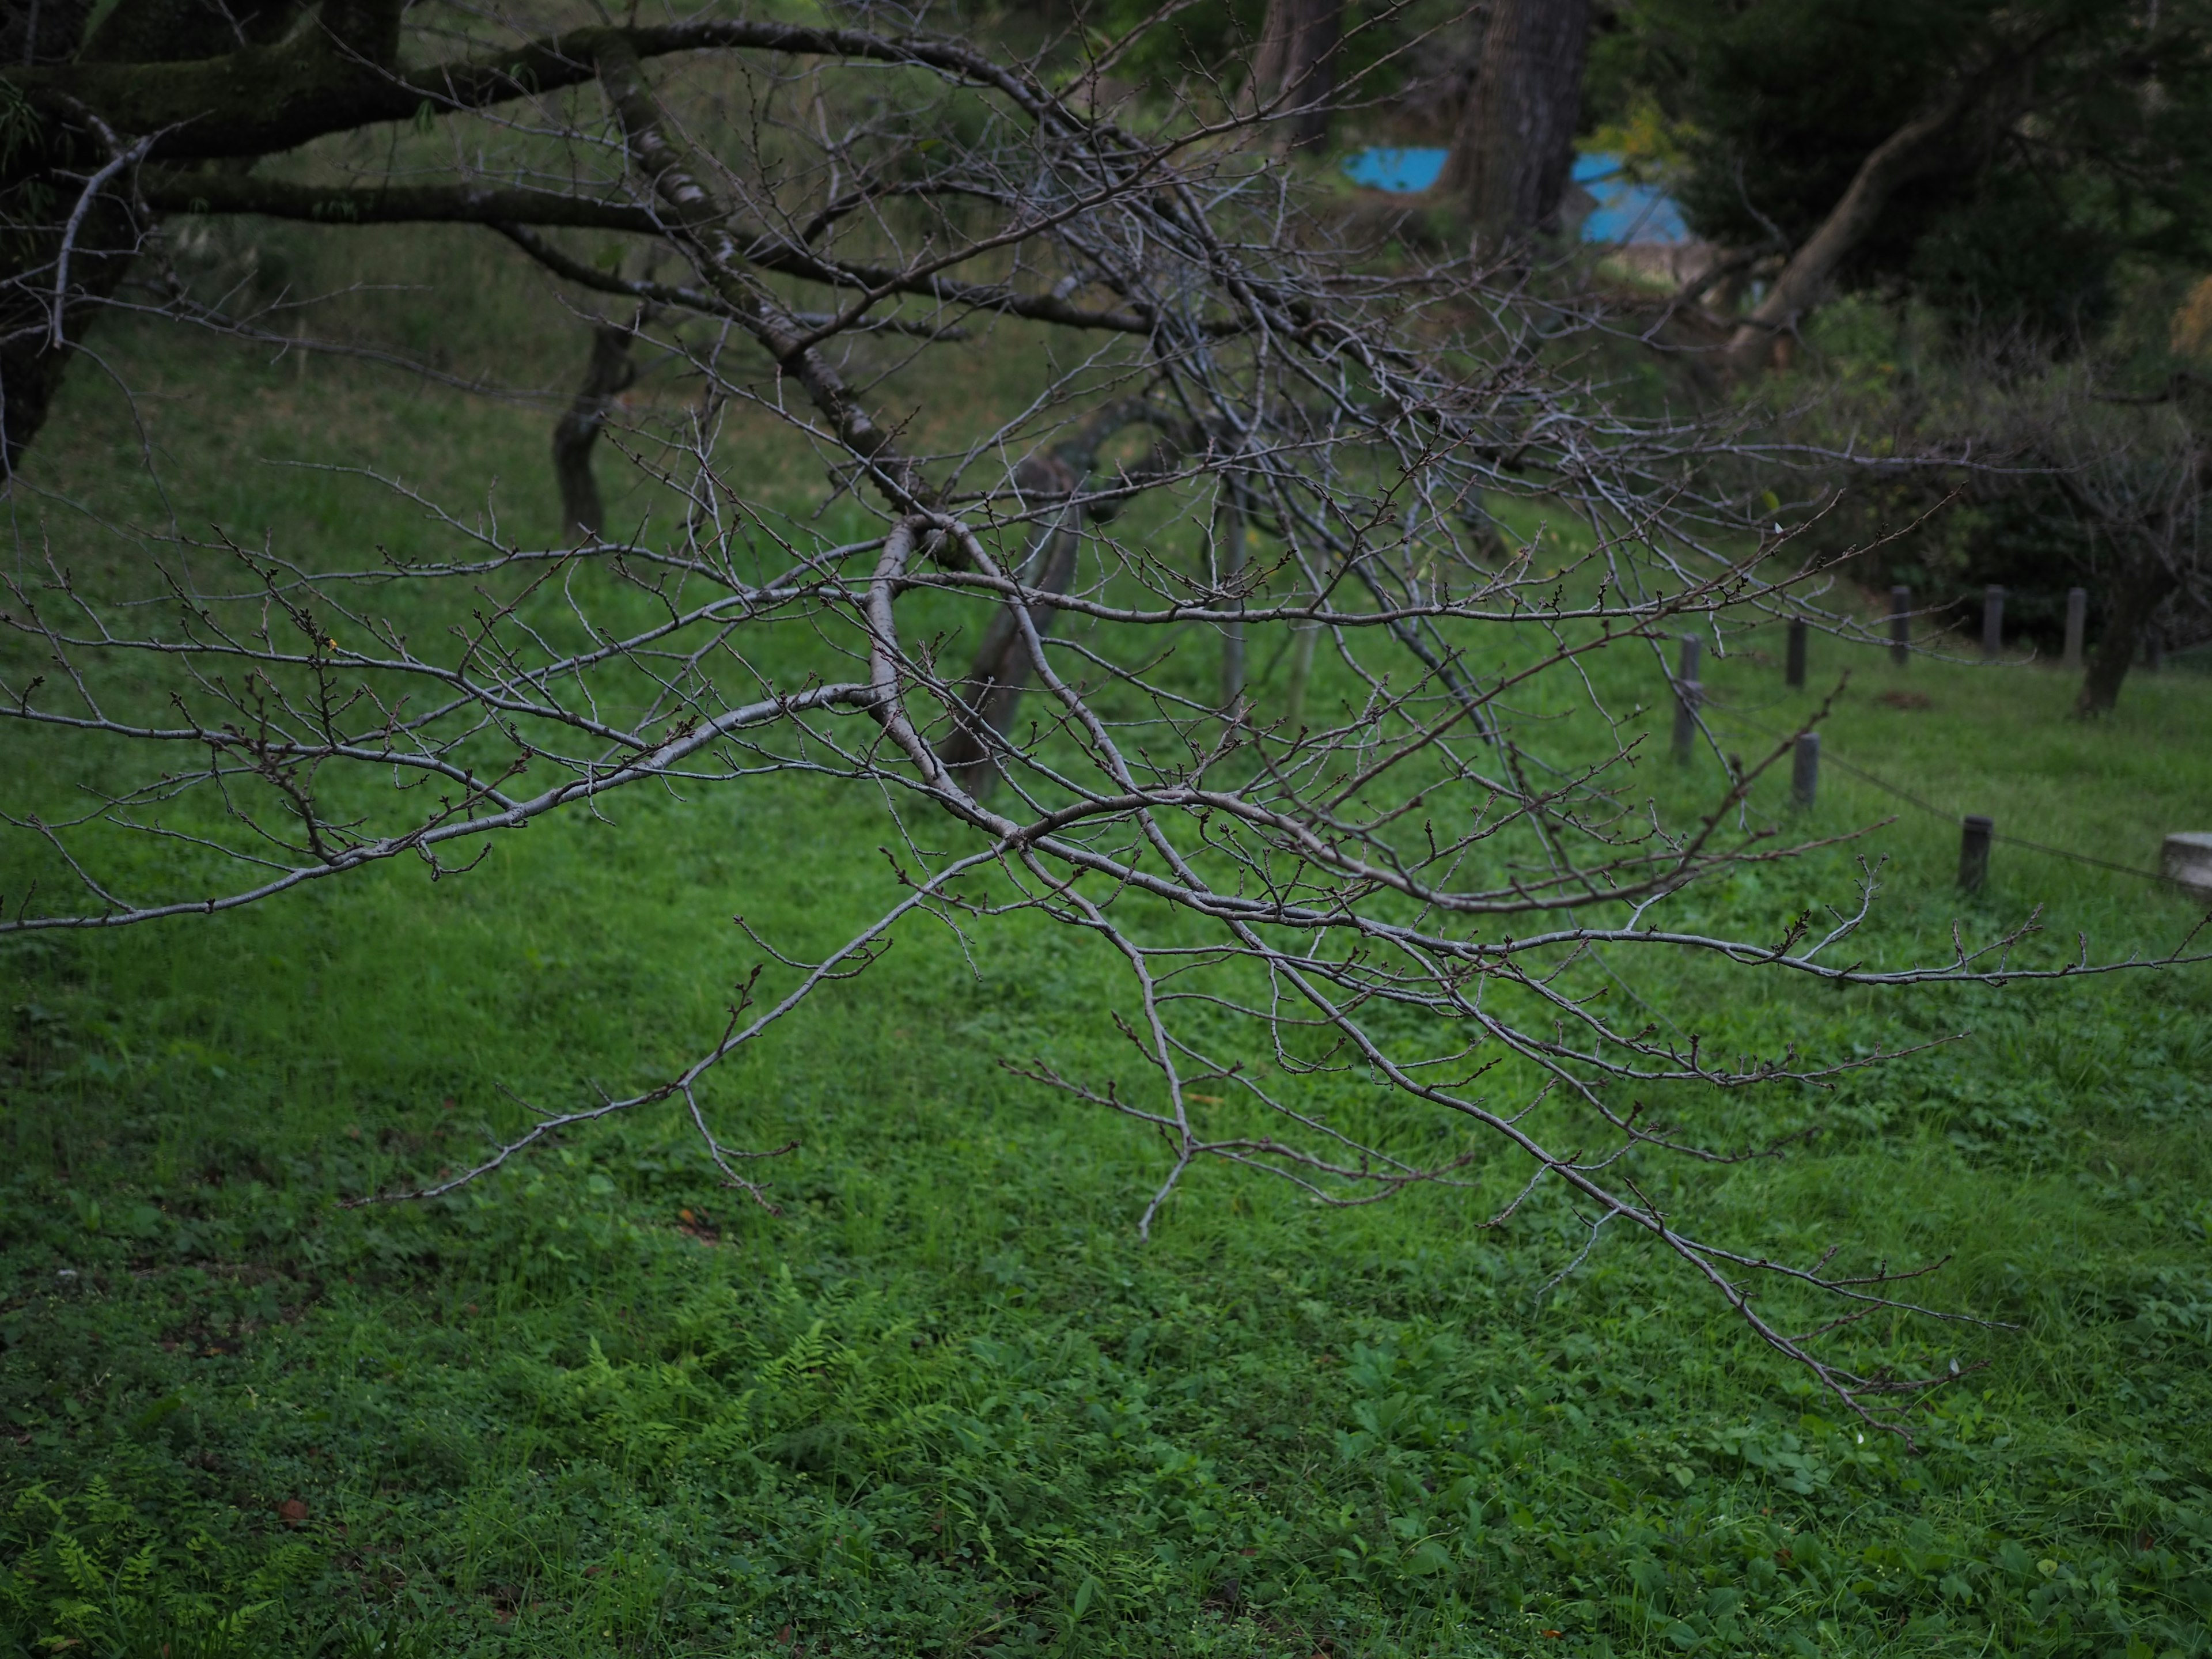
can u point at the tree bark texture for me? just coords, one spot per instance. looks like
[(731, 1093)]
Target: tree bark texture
[(1294, 72), (1229, 527), (2150, 518), (1514, 149), (606, 377), (992, 695)]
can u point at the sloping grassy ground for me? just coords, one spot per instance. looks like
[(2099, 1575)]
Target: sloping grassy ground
[(947, 1402)]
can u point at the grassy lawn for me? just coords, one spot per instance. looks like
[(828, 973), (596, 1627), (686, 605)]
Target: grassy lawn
[(946, 1402)]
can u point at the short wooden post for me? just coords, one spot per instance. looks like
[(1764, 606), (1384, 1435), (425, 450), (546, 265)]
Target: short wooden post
[(2077, 624), (1805, 769), (1793, 667), (1974, 836), (1686, 693), (1993, 598), (1900, 625)]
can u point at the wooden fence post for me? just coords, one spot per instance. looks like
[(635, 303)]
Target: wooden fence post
[(1974, 834), (1900, 625), (1993, 598), (1793, 670), (1687, 692), (1805, 769), (2077, 622)]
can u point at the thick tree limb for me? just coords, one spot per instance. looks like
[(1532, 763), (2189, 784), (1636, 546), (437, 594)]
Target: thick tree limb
[(609, 373), (169, 192), (701, 224), (508, 210), (262, 100)]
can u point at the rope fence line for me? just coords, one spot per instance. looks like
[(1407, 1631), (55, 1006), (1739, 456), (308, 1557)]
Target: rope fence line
[(1907, 796)]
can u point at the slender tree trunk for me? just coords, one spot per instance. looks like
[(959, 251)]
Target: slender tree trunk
[(1293, 73), (1514, 149), (2127, 623), (608, 375)]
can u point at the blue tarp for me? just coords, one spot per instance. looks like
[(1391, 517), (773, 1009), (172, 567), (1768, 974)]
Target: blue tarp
[(1625, 211), (1403, 171)]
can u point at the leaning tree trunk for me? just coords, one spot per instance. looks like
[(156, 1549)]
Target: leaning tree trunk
[(2134, 602), (1294, 73), (1922, 145), (1514, 149), (606, 377), (1950, 133)]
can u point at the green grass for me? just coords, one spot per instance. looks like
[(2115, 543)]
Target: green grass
[(946, 1402)]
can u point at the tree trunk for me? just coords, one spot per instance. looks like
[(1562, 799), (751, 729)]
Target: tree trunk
[(1922, 145), (1304, 637), (1952, 132), (608, 375), (1293, 74), (54, 281), (1514, 149), (2127, 624), (993, 694)]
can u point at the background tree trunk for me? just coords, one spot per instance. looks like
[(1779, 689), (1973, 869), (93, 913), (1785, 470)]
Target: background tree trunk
[(606, 377), (2134, 602), (1295, 66), (1229, 527), (1953, 132), (1515, 150), (1003, 665), (991, 696)]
